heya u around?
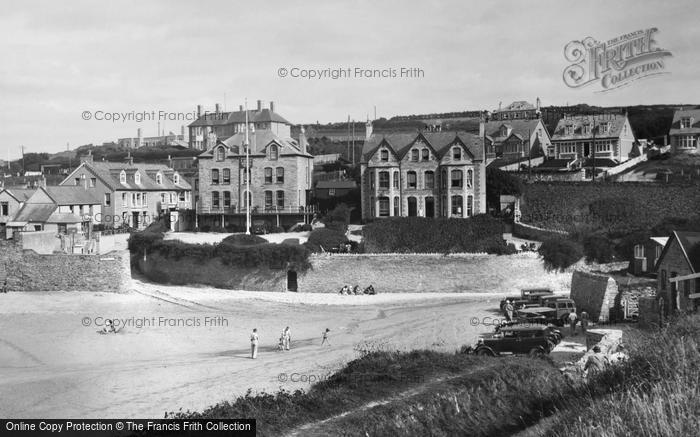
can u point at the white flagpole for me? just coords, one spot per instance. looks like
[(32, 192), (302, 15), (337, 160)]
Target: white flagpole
[(247, 173)]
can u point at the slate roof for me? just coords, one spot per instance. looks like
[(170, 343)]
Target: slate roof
[(521, 128), (615, 122), (109, 173), (258, 140), (693, 114), (72, 195), (224, 118), (690, 246), (441, 142), (35, 212), (21, 194), (336, 184), (64, 217)]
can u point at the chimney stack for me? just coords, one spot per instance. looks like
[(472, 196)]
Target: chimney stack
[(259, 105), (217, 108), (199, 111), (272, 106), (182, 132), (139, 138), (240, 108)]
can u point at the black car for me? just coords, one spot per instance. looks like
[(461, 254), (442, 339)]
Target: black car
[(533, 340)]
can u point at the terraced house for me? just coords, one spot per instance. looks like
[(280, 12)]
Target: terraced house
[(134, 194), (428, 174), (685, 131)]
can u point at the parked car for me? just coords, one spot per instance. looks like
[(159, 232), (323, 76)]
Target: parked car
[(528, 297), (554, 333), (535, 341), (562, 305)]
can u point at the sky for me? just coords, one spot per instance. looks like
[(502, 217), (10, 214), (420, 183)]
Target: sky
[(61, 59)]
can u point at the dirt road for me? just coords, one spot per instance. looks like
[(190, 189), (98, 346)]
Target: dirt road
[(188, 348)]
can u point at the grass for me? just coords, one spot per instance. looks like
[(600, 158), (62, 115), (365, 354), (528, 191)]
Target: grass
[(653, 393)]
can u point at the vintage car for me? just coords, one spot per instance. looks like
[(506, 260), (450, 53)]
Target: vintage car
[(554, 333), (533, 340), (528, 297)]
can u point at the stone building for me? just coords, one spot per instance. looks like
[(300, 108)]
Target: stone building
[(514, 139), (685, 131), (11, 201), (428, 174)]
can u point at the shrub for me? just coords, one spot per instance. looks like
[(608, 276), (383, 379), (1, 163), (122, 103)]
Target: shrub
[(306, 228), (598, 248), (480, 233), (325, 238), (243, 240), (276, 229), (338, 218), (558, 253)]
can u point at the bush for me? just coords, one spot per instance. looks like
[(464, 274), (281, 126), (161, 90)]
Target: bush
[(338, 218), (326, 239), (243, 240), (276, 229), (480, 233), (598, 248), (559, 253)]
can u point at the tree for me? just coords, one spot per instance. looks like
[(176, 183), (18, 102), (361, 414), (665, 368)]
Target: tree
[(559, 253)]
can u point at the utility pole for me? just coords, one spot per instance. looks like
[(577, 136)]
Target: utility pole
[(348, 137), (247, 172), (353, 142), (593, 152), (529, 152), (23, 171)]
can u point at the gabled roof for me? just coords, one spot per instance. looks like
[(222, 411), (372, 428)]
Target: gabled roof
[(72, 195), (224, 118), (659, 240), (64, 217), (523, 128), (690, 246), (109, 173), (20, 194), (441, 142), (259, 141), (35, 212), (615, 123), (693, 114)]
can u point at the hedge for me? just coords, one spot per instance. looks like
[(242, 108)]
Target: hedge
[(270, 255), (325, 238), (480, 233)]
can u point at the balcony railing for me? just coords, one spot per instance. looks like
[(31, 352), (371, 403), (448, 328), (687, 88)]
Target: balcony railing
[(257, 209)]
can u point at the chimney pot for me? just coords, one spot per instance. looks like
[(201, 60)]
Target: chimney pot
[(217, 108), (259, 105), (199, 111), (240, 108), (272, 106)]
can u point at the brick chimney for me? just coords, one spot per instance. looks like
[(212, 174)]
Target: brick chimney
[(240, 108), (199, 111), (217, 108), (272, 106), (259, 105)]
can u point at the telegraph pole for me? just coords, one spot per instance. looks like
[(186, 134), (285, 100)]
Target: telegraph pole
[(593, 132), (247, 172)]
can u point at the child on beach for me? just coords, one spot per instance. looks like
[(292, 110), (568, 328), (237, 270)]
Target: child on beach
[(254, 344), (325, 337)]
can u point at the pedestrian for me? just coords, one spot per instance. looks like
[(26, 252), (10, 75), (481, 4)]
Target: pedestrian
[(584, 322), (325, 337), (572, 322), (595, 363), (4, 286), (509, 311), (287, 336), (254, 344), (356, 290)]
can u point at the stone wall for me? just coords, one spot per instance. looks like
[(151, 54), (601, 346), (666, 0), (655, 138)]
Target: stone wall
[(594, 293), (26, 270)]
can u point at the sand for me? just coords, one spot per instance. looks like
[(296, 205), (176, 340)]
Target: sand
[(184, 347)]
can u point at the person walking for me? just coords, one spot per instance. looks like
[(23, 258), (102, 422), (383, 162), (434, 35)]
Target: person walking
[(584, 322), (254, 344), (287, 337), (572, 322), (325, 337), (509, 311)]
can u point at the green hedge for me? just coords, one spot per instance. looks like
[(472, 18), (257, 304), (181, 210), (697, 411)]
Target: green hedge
[(480, 233), (325, 238)]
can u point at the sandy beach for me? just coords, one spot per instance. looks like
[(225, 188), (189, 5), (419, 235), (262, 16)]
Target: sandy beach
[(185, 347)]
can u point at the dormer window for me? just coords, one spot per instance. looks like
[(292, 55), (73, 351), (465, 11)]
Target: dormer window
[(384, 155), (159, 179), (685, 123), (220, 154), (569, 129), (414, 155), (274, 153), (122, 177), (604, 127), (137, 178), (456, 153)]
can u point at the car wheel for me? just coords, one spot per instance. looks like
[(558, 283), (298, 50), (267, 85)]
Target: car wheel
[(536, 352), (483, 352)]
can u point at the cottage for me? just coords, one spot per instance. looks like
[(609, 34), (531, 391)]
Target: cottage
[(646, 255), (685, 131), (678, 273), (11, 201)]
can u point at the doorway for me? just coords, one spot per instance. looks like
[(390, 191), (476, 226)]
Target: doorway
[(429, 207), (412, 207), (135, 216), (586, 149), (292, 281)]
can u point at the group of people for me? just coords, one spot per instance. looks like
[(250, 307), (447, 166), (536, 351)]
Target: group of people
[(346, 290), (574, 319), (285, 341)]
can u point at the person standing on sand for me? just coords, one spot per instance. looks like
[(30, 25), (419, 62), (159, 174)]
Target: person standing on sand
[(325, 337), (254, 344), (287, 337)]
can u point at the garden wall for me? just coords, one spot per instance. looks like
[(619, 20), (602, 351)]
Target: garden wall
[(560, 205)]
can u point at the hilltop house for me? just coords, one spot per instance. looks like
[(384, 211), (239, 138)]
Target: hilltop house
[(678, 272), (429, 174), (518, 110), (515, 139), (133, 194), (211, 126), (685, 131), (600, 140)]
